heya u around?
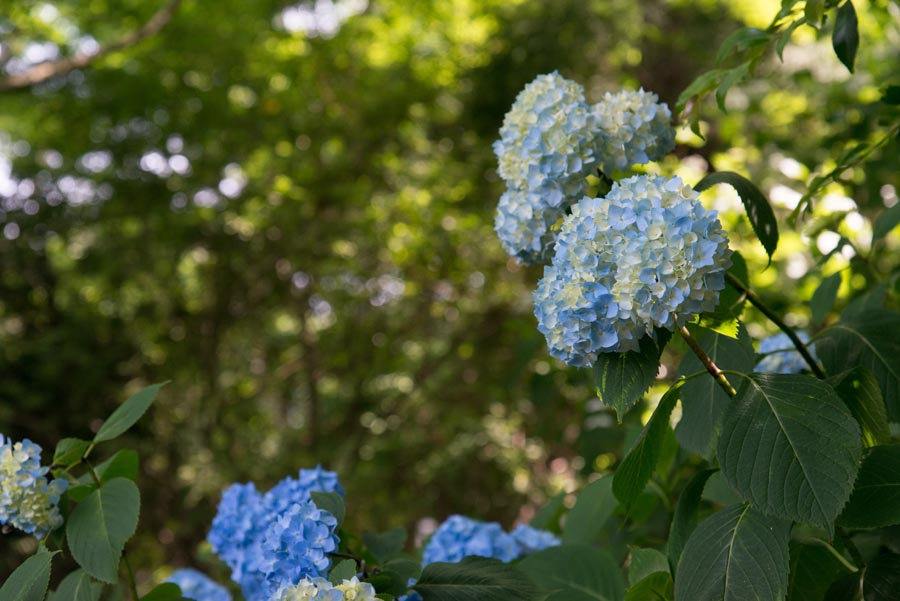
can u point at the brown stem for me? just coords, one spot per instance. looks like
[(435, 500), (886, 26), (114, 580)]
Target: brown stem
[(707, 362)]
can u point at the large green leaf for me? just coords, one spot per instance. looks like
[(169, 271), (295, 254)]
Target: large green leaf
[(475, 579), (657, 586), (875, 501), (594, 505), (645, 562), (30, 580), (575, 573), (685, 519), (761, 216), (738, 554), (343, 570), (790, 446), (869, 338), (823, 298), (78, 586), (632, 476), (623, 378), (384, 545), (890, 218), (331, 502), (813, 569), (69, 451), (547, 517), (703, 401), (858, 388), (882, 578), (845, 37), (100, 525), (127, 413), (167, 591)]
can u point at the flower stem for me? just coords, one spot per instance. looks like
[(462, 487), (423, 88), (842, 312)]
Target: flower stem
[(765, 310), (131, 584), (707, 362)]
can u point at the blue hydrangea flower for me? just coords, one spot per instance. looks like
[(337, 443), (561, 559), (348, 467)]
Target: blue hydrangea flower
[(197, 586), (250, 527), (780, 355), (523, 223), (632, 129), (530, 540), (460, 537), (28, 501), (308, 589), (628, 263)]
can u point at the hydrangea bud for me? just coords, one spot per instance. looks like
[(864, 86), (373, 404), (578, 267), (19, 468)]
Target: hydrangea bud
[(28, 501)]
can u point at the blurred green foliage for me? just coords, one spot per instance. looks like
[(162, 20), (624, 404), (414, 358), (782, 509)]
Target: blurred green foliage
[(292, 221)]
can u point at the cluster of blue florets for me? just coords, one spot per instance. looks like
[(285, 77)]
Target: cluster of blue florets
[(197, 586), (278, 538), (28, 501), (551, 140), (780, 356), (319, 589), (628, 263), (459, 537)]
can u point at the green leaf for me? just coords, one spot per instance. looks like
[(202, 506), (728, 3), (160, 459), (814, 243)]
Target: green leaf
[(30, 580), (732, 77), (845, 37), (655, 587), (685, 519), (124, 464), (344, 570), (386, 544), (632, 476), (78, 586), (547, 517), (69, 451), (474, 579), (868, 338), (702, 84), (167, 591), (127, 413), (858, 388), (875, 501), (814, 11), (790, 446), (645, 562), (394, 576), (331, 502), (737, 554), (823, 298), (741, 40), (813, 569), (886, 222), (846, 588), (101, 524), (882, 579), (623, 378), (80, 492), (575, 573), (761, 216), (725, 319), (594, 505), (703, 402), (891, 95)]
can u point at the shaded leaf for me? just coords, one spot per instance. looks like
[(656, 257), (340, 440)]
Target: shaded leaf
[(685, 519), (474, 579), (886, 222), (645, 562), (575, 572), (78, 586), (69, 451), (845, 37), (386, 544), (594, 505), (623, 378), (167, 591), (823, 298), (127, 413), (741, 40), (547, 517), (882, 578), (655, 587), (725, 319), (331, 502), (875, 501), (343, 570), (859, 390), (813, 569), (30, 580)]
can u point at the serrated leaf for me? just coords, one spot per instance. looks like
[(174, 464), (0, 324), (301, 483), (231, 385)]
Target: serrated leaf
[(813, 569), (384, 545), (331, 502), (575, 573), (343, 570), (882, 578), (759, 212), (858, 388), (737, 554), (127, 413), (474, 579), (101, 524), (685, 519), (655, 587), (823, 298), (594, 505), (167, 591), (623, 378), (886, 222), (845, 37), (790, 446), (875, 501), (703, 401), (30, 580), (69, 451), (547, 517), (869, 339), (633, 474), (78, 586), (645, 562)]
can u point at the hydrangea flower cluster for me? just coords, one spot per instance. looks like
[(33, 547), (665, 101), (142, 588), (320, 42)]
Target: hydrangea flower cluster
[(780, 355), (459, 537), (633, 128), (545, 151), (531, 540), (319, 589), (197, 586), (28, 501), (628, 263), (275, 539)]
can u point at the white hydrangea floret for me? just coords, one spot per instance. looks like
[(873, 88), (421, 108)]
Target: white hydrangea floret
[(628, 263), (28, 500), (319, 589), (633, 128)]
